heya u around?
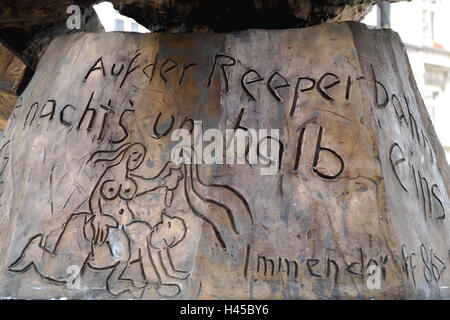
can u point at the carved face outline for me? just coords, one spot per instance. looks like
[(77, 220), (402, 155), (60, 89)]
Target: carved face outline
[(134, 156), (168, 232)]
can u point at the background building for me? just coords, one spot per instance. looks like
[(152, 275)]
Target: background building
[(112, 20), (424, 27)]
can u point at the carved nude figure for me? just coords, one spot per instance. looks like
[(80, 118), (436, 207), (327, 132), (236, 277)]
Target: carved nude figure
[(111, 237), (116, 237)]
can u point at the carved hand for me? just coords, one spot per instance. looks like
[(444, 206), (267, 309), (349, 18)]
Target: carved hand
[(171, 181), (100, 225)]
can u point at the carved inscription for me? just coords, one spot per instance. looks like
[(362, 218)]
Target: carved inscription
[(109, 235)]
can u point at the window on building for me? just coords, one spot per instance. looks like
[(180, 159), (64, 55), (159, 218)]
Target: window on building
[(134, 27), (435, 80), (119, 25), (430, 20), (430, 103), (427, 25)]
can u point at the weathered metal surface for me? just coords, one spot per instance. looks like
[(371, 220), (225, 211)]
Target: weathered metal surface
[(12, 72), (184, 15), (360, 193), (28, 26)]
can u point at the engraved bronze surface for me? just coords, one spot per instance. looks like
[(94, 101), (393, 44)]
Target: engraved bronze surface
[(92, 205)]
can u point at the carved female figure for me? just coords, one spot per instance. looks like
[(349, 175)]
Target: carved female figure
[(115, 238)]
